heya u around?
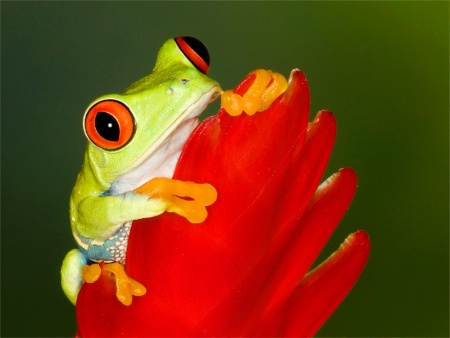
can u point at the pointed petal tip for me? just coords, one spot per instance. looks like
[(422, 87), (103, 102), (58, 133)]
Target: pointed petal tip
[(327, 119), (347, 175), (322, 128), (324, 114), (348, 171), (296, 74), (350, 177), (297, 78), (357, 244), (358, 238)]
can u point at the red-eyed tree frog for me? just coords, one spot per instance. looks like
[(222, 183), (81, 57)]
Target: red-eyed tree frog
[(133, 138), (134, 142)]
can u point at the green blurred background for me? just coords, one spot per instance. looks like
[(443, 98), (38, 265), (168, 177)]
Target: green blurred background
[(381, 67)]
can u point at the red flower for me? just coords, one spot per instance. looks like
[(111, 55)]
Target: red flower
[(243, 271)]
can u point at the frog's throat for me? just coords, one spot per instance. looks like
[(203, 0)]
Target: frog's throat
[(161, 158)]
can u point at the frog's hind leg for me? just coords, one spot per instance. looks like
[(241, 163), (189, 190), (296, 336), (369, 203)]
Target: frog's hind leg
[(71, 279), (126, 287)]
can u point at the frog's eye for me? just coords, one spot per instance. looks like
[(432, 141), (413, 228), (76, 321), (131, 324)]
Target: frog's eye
[(109, 124), (195, 51)]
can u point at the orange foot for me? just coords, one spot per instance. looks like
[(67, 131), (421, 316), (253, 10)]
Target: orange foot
[(187, 199), (126, 287), (266, 87)]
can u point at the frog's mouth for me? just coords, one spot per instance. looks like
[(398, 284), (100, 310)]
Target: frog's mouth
[(161, 158)]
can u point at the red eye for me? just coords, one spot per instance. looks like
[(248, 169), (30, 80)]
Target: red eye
[(109, 124), (195, 51)]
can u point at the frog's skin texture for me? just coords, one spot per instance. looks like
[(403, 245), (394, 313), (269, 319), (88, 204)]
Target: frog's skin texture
[(134, 141)]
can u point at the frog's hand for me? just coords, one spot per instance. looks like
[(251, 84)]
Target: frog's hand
[(187, 199), (126, 287), (71, 280), (266, 87)]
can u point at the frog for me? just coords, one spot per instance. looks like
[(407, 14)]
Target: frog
[(134, 140)]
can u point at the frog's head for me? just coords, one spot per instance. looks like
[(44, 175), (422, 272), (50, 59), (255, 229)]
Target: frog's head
[(138, 135)]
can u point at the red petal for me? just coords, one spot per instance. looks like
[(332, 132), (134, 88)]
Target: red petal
[(264, 291), (305, 173), (312, 232), (324, 288)]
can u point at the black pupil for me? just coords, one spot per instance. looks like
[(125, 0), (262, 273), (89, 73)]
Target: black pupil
[(198, 47), (107, 126)]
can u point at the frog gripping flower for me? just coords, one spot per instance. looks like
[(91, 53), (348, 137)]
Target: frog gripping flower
[(133, 146), (241, 218)]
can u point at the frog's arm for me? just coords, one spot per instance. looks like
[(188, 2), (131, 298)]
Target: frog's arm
[(98, 217)]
